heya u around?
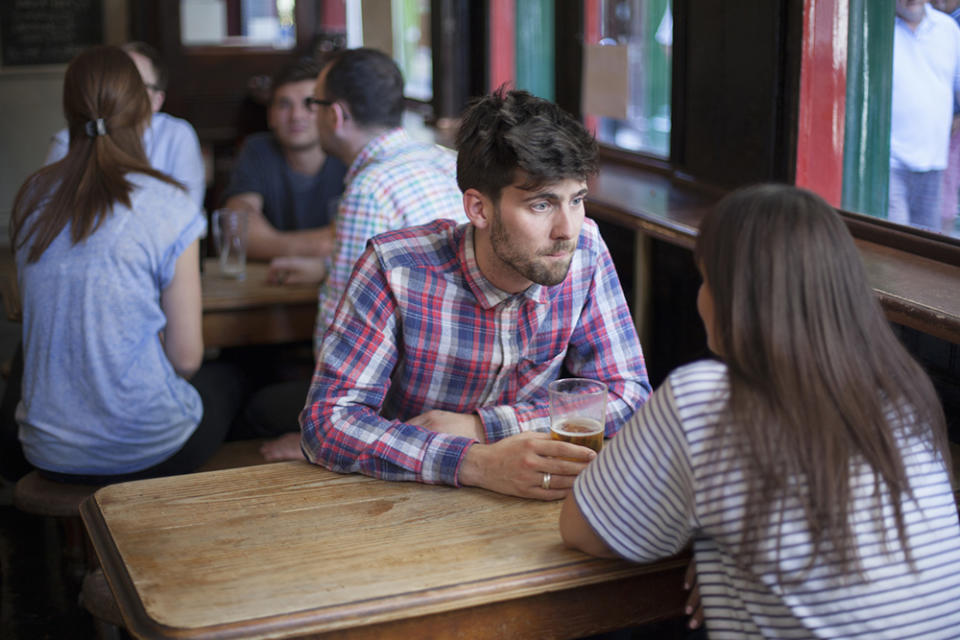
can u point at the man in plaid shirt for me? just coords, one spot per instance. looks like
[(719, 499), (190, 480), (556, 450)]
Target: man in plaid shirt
[(392, 182), (436, 364)]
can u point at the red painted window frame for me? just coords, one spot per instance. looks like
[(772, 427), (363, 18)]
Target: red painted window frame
[(823, 93)]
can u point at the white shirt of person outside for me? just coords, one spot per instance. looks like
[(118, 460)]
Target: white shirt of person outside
[(926, 77)]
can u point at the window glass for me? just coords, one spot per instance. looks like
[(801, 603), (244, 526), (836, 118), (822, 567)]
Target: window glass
[(411, 47), (238, 23), (644, 31), (534, 45), (901, 151)]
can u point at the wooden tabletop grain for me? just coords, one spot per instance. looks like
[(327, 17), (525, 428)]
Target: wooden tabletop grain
[(293, 550), (252, 311), (221, 292)]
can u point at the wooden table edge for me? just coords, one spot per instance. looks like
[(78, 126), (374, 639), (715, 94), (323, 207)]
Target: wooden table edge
[(135, 617), (378, 612)]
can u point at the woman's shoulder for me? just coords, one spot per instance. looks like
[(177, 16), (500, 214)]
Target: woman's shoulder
[(161, 202), (152, 188), (703, 371), (699, 381)]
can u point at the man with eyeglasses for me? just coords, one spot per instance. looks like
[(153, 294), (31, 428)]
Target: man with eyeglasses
[(170, 143), (392, 183), (283, 178)]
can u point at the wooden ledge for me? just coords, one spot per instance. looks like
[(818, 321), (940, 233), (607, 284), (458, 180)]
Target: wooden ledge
[(914, 291)]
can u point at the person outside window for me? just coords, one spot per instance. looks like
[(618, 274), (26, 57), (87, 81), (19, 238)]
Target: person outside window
[(926, 85)]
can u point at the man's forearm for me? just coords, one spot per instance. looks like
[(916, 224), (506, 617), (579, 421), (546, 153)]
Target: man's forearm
[(316, 243), (265, 242)]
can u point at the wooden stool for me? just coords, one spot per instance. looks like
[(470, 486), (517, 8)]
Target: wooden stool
[(60, 500), (96, 597), (38, 495)]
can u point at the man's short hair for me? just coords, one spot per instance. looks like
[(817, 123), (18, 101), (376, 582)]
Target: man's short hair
[(297, 71), (509, 131), (151, 54), (371, 85)]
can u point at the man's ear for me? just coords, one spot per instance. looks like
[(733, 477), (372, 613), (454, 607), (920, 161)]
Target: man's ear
[(156, 100), (342, 113), (477, 207)]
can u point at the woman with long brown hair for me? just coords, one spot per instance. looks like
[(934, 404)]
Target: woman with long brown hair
[(107, 260), (809, 464)]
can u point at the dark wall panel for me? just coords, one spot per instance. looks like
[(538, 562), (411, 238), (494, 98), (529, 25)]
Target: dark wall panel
[(739, 77)]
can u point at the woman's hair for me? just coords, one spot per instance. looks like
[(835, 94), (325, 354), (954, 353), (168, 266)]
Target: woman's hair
[(818, 381), (107, 109)]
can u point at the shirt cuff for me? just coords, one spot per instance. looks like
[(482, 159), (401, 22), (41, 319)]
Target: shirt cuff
[(499, 422), (442, 458)]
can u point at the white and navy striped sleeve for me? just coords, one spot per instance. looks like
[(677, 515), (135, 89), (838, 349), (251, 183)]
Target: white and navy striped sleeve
[(639, 494)]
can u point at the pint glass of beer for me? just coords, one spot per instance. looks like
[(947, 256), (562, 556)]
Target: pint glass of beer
[(578, 411)]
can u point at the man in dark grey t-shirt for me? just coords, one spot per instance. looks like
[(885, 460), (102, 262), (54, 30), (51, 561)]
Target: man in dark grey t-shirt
[(284, 179)]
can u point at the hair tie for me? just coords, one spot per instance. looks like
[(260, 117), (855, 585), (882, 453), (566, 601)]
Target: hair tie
[(96, 128)]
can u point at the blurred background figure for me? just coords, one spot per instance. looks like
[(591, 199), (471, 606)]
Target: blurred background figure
[(107, 257), (951, 177), (283, 178), (926, 82), (170, 143)]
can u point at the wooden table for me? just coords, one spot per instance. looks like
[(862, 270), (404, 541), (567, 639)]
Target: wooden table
[(292, 550), (250, 311)]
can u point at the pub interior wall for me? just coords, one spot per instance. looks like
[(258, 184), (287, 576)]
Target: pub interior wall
[(30, 100)]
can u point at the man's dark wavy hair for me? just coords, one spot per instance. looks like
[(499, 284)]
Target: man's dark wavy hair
[(296, 71), (371, 85), (509, 131)]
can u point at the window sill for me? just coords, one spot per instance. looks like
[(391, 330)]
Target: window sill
[(914, 291)]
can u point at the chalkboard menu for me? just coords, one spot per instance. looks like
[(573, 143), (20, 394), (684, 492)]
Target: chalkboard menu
[(48, 31)]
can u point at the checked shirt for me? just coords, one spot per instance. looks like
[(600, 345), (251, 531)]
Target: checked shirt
[(420, 328)]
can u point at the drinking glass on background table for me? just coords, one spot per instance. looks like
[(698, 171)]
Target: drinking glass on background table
[(578, 411), (230, 239)]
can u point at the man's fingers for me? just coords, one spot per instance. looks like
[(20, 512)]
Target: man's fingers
[(690, 577), (549, 495), (696, 618), (559, 449), (694, 605)]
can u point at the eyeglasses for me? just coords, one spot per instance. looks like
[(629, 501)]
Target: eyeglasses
[(312, 103)]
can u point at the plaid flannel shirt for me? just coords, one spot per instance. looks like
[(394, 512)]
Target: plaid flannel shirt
[(420, 328), (393, 183)]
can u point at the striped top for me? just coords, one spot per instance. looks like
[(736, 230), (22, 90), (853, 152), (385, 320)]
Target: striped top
[(663, 481), (394, 182)]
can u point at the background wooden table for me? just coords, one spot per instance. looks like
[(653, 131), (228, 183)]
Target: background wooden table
[(250, 311), (290, 549)]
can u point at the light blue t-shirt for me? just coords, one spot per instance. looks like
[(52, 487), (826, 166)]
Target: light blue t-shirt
[(171, 146), (99, 394)]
